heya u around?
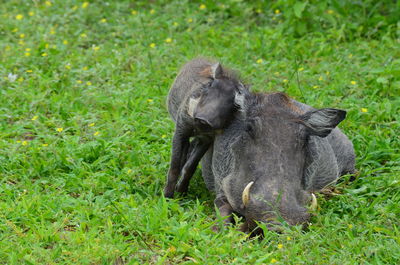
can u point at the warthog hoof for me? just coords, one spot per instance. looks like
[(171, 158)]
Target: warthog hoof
[(168, 192), (182, 187)]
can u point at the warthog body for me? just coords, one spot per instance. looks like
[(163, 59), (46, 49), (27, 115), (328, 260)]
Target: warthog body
[(200, 101), (274, 154)]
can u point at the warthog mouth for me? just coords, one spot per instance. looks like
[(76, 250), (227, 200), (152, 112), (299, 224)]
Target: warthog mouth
[(272, 223)]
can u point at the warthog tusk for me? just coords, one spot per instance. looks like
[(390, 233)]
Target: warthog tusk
[(192, 106), (246, 194), (314, 202)]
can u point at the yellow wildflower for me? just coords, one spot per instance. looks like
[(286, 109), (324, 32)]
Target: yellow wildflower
[(202, 6), (172, 249), (285, 80), (91, 124), (68, 66), (96, 48), (88, 83), (22, 35), (27, 54), (59, 129), (168, 40), (280, 246), (85, 4), (327, 73), (273, 261), (175, 24), (18, 141), (34, 118), (45, 145), (301, 69), (134, 12), (29, 71), (65, 42), (320, 78), (330, 11), (277, 11), (44, 54), (84, 68), (190, 20), (150, 100), (163, 136), (103, 20), (28, 49), (129, 171), (288, 238), (350, 226), (364, 110), (24, 143), (79, 81), (31, 13), (152, 45), (353, 82), (315, 87), (19, 17), (259, 60), (96, 133), (152, 11), (83, 35), (48, 3)]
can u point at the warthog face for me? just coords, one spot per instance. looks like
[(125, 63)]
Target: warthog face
[(269, 158), (215, 107)]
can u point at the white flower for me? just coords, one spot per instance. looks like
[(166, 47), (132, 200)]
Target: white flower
[(12, 77)]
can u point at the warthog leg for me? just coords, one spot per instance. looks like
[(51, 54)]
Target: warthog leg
[(199, 148), (225, 210), (180, 146)]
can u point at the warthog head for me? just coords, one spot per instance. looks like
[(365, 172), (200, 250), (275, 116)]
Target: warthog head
[(214, 107), (269, 158)]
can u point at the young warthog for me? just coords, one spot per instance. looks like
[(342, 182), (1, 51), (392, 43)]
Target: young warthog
[(200, 101), (273, 155)]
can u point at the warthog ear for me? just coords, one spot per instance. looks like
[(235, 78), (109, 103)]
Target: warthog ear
[(240, 95), (239, 101), (216, 71), (242, 88), (321, 122)]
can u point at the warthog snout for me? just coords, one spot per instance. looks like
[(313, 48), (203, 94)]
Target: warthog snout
[(203, 123), (292, 207)]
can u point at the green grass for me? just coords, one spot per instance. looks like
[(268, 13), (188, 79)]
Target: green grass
[(91, 193)]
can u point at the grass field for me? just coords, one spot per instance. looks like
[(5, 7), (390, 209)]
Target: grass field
[(85, 136)]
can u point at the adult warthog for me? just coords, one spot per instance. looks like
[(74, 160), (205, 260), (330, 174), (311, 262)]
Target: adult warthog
[(200, 101), (274, 154)]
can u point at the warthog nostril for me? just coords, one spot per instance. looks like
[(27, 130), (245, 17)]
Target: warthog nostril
[(202, 122)]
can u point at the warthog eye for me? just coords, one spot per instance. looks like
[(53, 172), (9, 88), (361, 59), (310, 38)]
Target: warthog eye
[(250, 129), (207, 86)]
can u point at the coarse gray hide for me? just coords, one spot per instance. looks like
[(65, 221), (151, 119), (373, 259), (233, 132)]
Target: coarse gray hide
[(275, 153)]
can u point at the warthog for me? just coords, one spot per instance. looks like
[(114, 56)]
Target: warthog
[(273, 155), (201, 101)]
